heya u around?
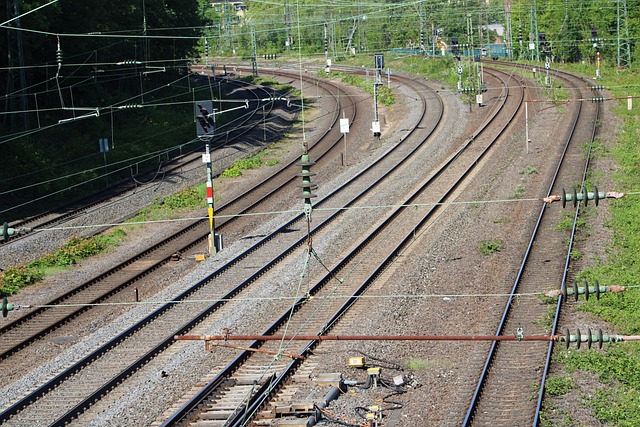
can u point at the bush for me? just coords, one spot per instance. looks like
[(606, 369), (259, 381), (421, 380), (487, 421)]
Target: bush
[(15, 278)]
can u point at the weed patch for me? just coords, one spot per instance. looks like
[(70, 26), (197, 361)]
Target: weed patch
[(15, 278), (490, 246)]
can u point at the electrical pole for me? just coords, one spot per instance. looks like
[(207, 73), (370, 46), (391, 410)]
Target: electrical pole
[(508, 38), (288, 23), (227, 25), (254, 60), (326, 46), (534, 29), (624, 48)]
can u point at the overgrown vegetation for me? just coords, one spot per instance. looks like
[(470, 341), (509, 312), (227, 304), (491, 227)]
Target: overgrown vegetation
[(519, 191), (528, 170), (617, 402), (557, 385), (252, 162), (385, 95), (15, 278), (174, 205), (416, 364), (488, 247)]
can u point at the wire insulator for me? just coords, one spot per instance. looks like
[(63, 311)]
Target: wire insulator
[(590, 338), (586, 290), (584, 195), (307, 184), (59, 53)]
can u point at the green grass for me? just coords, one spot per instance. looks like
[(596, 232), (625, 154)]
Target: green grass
[(174, 205), (15, 278), (519, 191), (558, 386), (529, 170), (617, 367), (417, 364), (566, 224), (254, 161), (490, 246), (385, 95)]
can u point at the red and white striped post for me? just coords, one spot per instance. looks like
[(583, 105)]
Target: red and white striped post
[(206, 158)]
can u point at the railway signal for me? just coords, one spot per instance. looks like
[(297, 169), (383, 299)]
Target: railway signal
[(542, 41), (205, 119), (594, 37), (378, 61), (454, 45)]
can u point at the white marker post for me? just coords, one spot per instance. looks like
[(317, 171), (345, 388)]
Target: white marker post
[(344, 129), (526, 126)]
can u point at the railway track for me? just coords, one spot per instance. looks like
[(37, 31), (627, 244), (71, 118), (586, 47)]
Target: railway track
[(42, 320), (248, 382), (177, 159), (261, 373), (150, 324), (512, 372)]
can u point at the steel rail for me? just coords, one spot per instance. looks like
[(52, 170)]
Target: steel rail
[(20, 321), (189, 227), (75, 208), (243, 415), (506, 311), (18, 406), (556, 317)]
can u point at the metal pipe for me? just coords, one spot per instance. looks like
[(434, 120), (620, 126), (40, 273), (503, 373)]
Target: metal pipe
[(367, 338)]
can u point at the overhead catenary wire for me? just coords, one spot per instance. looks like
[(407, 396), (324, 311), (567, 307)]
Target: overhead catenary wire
[(445, 297), (288, 211)]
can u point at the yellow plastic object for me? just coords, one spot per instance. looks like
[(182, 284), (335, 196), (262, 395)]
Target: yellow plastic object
[(356, 362)]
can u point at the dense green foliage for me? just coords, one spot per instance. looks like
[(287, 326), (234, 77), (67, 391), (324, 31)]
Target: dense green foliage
[(427, 25), (17, 277), (66, 59), (166, 34)]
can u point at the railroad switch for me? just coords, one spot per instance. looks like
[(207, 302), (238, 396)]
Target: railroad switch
[(585, 196), (590, 338), (586, 290), (6, 307)]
